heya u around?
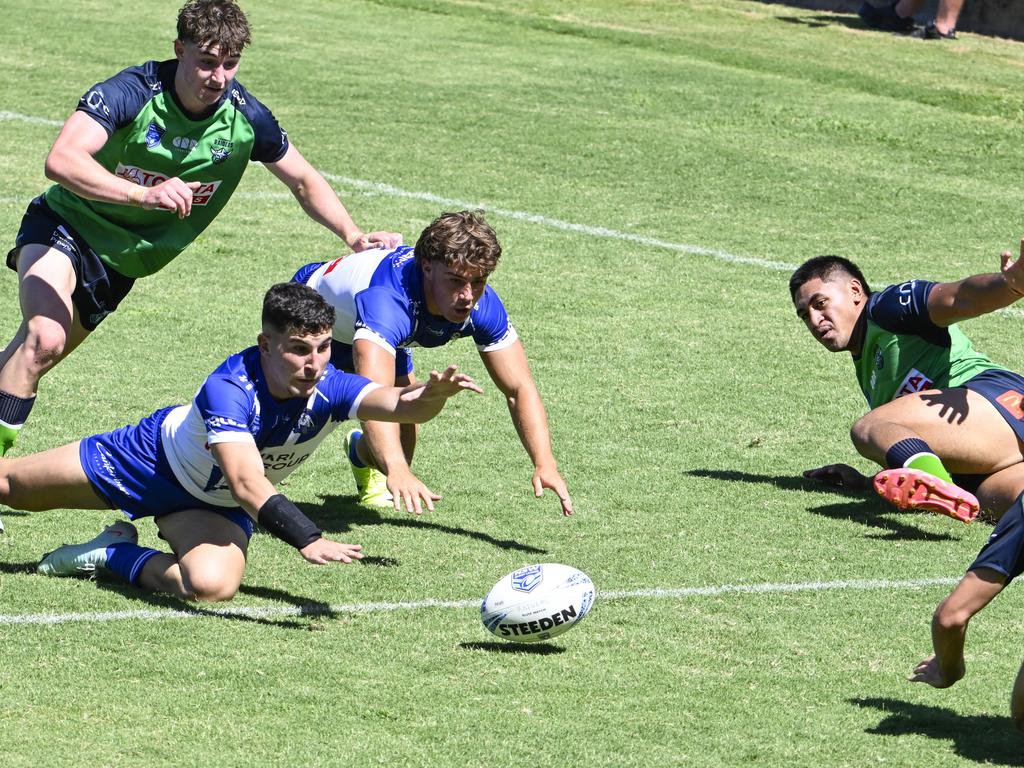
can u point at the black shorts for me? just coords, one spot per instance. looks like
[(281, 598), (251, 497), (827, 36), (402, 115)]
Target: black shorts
[(98, 288), (1005, 390), (1004, 550)]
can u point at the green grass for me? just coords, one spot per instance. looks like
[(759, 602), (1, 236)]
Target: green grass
[(685, 398)]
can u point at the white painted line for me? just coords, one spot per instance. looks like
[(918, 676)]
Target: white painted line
[(316, 609), (30, 119)]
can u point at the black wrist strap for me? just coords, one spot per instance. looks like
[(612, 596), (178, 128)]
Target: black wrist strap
[(283, 520)]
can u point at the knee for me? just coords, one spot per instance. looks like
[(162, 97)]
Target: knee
[(210, 585), (860, 432), (45, 342)]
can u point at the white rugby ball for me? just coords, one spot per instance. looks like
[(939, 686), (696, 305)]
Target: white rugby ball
[(537, 602)]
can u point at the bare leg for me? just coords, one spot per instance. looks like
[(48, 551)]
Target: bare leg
[(948, 13), (208, 561), (1017, 701), (52, 479)]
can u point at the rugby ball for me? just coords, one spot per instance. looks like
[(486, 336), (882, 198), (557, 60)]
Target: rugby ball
[(537, 603)]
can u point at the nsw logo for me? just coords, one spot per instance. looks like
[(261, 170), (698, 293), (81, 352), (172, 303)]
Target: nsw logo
[(526, 579), (153, 135)]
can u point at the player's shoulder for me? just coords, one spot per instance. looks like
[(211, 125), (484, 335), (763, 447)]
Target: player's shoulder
[(240, 370), (116, 101)]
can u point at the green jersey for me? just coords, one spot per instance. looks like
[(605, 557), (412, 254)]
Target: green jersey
[(151, 139), (905, 352)]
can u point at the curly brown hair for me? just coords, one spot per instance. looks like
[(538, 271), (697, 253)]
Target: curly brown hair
[(460, 239), (214, 22)]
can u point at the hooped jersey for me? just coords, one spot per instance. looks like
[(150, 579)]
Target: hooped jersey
[(234, 405), (151, 139), (378, 295), (905, 352)]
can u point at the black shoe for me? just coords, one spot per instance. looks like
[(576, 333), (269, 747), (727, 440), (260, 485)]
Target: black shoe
[(931, 32), (885, 17)]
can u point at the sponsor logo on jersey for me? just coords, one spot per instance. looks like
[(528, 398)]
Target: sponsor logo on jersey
[(305, 423), (153, 135), (879, 359), (275, 462), (915, 381), (526, 579), (184, 143), (1012, 400), (220, 422), (145, 178)]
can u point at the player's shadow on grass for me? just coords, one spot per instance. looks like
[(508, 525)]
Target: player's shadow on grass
[(985, 739), (535, 649), (866, 510), (337, 514), (303, 606), (822, 20), (29, 567)]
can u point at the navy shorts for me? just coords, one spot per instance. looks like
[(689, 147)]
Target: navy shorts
[(1004, 551), (98, 288), (129, 470), (1005, 390)]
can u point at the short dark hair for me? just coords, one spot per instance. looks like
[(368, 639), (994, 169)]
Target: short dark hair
[(824, 268), (460, 239), (214, 22), (295, 308)]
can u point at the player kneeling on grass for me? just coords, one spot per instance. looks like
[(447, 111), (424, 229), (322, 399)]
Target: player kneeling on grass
[(389, 300), (206, 471), (938, 405)]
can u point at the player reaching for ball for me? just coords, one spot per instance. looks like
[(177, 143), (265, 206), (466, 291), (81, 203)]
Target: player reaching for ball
[(938, 407), (208, 470), (389, 300)]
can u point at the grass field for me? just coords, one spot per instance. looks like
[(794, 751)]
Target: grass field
[(653, 170)]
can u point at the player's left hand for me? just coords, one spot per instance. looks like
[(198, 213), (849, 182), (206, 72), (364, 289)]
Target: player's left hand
[(1013, 270), (368, 240), (324, 551), (544, 477), (840, 476), (929, 671)]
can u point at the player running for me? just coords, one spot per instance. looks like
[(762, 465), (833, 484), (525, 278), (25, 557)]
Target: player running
[(147, 161), (388, 301), (206, 471)]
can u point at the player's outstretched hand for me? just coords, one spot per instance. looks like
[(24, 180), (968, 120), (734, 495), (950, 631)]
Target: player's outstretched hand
[(441, 386), (929, 671), (409, 490), (324, 551), (1013, 270), (840, 476), (171, 195), (544, 477), (368, 240)]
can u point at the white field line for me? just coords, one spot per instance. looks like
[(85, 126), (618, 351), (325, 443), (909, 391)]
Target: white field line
[(315, 609), (380, 188)]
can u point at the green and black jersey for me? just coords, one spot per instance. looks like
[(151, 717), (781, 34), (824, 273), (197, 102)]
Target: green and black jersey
[(151, 139)]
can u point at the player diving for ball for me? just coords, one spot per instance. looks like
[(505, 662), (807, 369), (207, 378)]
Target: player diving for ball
[(389, 300), (208, 470), (944, 419)]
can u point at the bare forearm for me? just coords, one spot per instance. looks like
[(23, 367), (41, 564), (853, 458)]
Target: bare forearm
[(251, 493), (80, 173), (948, 643), (531, 423), (385, 443), (321, 204)]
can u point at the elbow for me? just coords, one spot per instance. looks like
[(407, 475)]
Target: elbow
[(51, 168), (948, 621)]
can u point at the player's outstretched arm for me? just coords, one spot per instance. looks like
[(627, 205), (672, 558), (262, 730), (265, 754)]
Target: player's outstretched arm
[(417, 402), (949, 627), (71, 164), (320, 202), (977, 295), (242, 466), (510, 371)]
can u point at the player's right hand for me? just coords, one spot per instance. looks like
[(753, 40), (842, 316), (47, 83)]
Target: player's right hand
[(171, 195), (840, 476), (324, 551), (409, 490)]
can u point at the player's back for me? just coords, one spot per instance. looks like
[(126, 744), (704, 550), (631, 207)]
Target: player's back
[(339, 282)]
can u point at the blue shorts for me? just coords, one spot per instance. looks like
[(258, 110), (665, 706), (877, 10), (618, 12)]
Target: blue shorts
[(129, 470), (1004, 551), (98, 288), (341, 358), (1005, 390)]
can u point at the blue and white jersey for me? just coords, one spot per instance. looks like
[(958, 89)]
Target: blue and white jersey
[(378, 296), (234, 406)]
